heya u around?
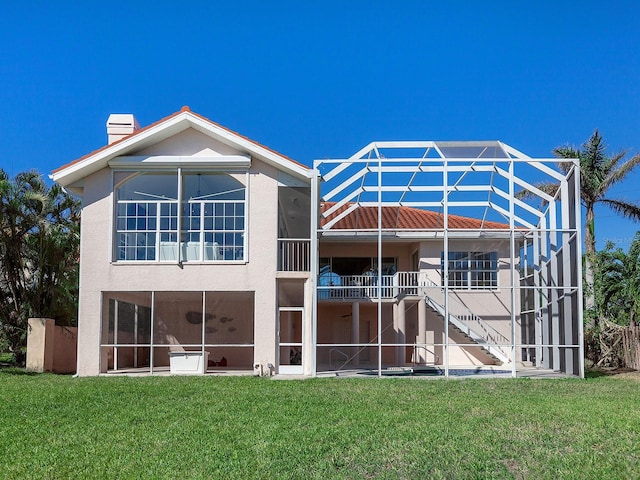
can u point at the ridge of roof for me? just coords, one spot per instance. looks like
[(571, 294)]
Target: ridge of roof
[(184, 109), (402, 218)]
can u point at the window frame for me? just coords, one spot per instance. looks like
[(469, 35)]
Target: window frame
[(467, 269), (180, 230)]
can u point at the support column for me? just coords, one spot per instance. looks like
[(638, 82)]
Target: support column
[(537, 293), (355, 333), (570, 259), (308, 345), (399, 320), (420, 356), (555, 292)]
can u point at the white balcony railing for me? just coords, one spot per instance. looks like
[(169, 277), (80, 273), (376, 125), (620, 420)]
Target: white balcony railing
[(342, 287), (293, 255)]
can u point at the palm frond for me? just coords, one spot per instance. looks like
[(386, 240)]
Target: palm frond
[(620, 173), (612, 162), (564, 167), (594, 151), (548, 188), (565, 151), (626, 209)]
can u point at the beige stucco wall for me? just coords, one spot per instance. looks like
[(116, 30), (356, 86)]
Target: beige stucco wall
[(493, 306), (65, 340), (51, 348), (98, 273), (40, 345), (189, 142)]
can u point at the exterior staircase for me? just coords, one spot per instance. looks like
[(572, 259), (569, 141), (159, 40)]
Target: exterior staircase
[(472, 328)]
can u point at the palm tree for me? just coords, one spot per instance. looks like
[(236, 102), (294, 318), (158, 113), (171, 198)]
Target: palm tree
[(39, 238), (598, 173), (618, 282)]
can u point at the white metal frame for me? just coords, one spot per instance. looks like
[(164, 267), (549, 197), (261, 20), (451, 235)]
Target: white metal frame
[(452, 178), (152, 344)]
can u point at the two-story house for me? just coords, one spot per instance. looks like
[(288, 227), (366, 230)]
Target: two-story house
[(202, 250)]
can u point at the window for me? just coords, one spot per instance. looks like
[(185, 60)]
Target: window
[(359, 265), (211, 214), (473, 270)]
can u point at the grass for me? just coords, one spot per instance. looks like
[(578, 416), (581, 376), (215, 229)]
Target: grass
[(224, 427)]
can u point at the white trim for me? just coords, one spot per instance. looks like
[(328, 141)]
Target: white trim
[(164, 161), (163, 130), (247, 217)]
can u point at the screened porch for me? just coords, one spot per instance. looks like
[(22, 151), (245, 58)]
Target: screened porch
[(177, 332)]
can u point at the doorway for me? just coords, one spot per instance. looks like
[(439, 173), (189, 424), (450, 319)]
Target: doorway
[(290, 334)]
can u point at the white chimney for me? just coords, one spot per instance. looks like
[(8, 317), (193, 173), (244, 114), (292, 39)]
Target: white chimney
[(120, 125)]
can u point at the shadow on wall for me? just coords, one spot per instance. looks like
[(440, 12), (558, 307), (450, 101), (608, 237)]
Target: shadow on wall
[(50, 347)]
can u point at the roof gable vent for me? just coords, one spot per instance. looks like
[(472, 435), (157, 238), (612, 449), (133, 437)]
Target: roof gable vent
[(120, 125)]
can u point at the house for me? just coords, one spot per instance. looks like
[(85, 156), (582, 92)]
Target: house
[(203, 250)]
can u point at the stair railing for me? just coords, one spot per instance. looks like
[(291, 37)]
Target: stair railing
[(481, 328)]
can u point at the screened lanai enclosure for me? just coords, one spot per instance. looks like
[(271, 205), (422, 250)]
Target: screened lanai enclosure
[(160, 331), (447, 257)]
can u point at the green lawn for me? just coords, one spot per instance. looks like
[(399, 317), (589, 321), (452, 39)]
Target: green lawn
[(225, 427)]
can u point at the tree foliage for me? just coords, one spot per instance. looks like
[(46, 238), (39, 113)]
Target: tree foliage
[(39, 256), (617, 283), (616, 288)]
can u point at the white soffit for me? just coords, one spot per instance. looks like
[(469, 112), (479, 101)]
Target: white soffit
[(163, 161)]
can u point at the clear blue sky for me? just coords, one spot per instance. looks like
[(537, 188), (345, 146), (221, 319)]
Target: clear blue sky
[(322, 79)]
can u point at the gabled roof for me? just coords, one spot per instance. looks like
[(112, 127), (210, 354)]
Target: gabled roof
[(165, 128), (402, 218)]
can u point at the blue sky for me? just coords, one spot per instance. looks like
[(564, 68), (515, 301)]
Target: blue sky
[(322, 79)]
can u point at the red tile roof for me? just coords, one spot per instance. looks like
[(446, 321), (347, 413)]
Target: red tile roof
[(162, 120), (402, 218)]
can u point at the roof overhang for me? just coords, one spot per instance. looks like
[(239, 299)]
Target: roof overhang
[(170, 161), (70, 175)]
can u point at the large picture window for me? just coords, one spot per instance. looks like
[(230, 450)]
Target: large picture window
[(207, 224), (471, 269)]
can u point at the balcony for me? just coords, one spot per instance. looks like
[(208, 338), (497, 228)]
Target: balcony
[(294, 255), (332, 286)]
